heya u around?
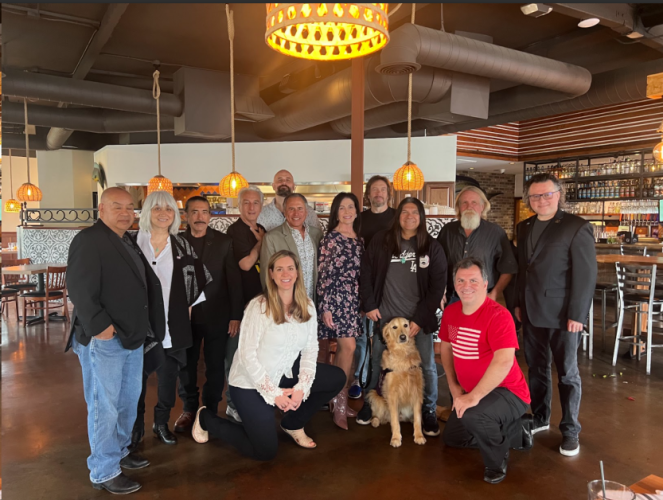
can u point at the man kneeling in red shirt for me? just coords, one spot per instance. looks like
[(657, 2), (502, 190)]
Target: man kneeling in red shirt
[(490, 395)]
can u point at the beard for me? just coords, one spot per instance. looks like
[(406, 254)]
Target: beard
[(378, 204), (283, 191), (470, 220)]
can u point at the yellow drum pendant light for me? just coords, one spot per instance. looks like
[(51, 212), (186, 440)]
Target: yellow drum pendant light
[(232, 183), (28, 191), (409, 177), (327, 31), (158, 182), (12, 206)]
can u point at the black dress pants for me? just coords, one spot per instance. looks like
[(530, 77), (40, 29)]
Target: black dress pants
[(166, 392), (213, 340), (493, 426), (542, 345), (256, 437)]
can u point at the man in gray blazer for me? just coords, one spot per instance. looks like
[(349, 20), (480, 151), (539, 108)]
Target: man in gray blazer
[(298, 237)]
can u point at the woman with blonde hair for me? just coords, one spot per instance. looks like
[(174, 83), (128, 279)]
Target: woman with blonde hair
[(275, 365)]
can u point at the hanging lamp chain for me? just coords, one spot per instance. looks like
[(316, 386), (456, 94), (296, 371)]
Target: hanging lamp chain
[(11, 185), (231, 38), (409, 102), (27, 136), (156, 93)]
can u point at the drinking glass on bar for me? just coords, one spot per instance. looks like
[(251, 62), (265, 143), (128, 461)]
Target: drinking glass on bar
[(613, 491)]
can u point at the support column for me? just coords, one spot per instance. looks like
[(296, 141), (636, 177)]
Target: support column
[(357, 131)]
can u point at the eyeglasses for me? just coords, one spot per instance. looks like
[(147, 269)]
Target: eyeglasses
[(545, 196)]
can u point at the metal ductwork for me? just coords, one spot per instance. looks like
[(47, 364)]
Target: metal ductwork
[(612, 87), (98, 121), (390, 114), (412, 47), (331, 98), (84, 93)]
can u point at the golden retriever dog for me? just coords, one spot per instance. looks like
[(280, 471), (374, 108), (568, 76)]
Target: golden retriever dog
[(402, 383)]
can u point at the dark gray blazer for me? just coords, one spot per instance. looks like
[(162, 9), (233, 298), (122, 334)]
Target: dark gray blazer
[(557, 284)]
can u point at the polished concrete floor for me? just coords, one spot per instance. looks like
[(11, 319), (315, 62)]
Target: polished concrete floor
[(44, 443)]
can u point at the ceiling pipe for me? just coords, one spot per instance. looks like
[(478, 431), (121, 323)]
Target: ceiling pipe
[(330, 99), (412, 46), (84, 93)]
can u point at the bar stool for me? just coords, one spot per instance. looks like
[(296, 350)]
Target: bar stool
[(9, 295), (588, 333), (628, 250)]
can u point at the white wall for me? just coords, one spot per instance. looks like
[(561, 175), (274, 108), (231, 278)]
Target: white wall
[(312, 161), (65, 177), (19, 176)]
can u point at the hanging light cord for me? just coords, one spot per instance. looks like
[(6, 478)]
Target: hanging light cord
[(409, 102), (27, 136), (11, 186), (231, 37), (156, 93)]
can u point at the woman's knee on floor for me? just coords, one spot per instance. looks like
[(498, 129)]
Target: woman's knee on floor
[(267, 453), (330, 377)]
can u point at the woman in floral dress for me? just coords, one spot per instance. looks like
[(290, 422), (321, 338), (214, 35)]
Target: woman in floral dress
[(339, 261)]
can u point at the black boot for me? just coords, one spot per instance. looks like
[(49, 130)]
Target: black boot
[(164, 435), (137, 434), (119, 485), (494, 476)]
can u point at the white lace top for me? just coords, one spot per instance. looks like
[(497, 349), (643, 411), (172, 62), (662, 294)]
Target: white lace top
[(267, 351)]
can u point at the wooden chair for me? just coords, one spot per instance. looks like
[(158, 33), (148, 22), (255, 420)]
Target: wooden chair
[(20, 283), (632, 250), (9, 295), (56, 290)]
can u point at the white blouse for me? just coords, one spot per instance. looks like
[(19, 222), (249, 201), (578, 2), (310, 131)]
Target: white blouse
[(267, 351)]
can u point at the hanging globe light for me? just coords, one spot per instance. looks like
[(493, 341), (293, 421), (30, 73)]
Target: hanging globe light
[(658, 152), (159, 183), (327, 31), (12, 206), (231, 185), (28, 191), (408, 178)]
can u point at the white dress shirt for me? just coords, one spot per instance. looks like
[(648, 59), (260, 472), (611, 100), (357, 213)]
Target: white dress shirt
[(267, 352)]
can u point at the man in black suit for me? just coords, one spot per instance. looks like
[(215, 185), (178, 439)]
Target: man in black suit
[(117, 302), (556, 280), (215, 319)]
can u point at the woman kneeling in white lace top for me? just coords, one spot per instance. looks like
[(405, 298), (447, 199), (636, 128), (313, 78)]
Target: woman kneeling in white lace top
[(275, 365)]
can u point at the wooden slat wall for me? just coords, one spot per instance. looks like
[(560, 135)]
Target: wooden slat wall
[(616, 127)]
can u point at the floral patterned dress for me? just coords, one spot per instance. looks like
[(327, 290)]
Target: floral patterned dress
[(339, 261)]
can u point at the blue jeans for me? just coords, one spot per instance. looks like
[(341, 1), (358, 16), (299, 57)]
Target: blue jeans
[(424, 345), (112, 381), (361, 350)]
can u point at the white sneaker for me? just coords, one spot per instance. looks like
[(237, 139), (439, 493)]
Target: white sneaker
[(232, 413), (540, 428)]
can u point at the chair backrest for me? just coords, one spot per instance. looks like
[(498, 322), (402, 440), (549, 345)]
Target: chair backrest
[(629, 250), (10, 279), (636, 283), (56, 278)]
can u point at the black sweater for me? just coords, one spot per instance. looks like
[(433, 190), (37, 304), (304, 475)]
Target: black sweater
[(432, 280)]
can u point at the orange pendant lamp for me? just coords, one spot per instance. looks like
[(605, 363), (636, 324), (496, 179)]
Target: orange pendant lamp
[(28, 191), (327, 31), (232, 183), (658, 149), (12, 206), (409, 177), (158, 182)]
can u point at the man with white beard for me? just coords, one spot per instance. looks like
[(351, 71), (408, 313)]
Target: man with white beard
[(473, 236)]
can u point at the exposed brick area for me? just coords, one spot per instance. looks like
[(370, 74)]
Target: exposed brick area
[(502, 210)]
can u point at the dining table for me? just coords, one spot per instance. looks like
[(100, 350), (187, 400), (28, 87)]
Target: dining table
[(31, 270), (649, 485)]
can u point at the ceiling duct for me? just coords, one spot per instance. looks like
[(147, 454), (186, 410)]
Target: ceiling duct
[(330, 99), (412, 46)]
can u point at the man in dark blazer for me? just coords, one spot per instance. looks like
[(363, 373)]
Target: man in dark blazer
[(556, 280), (117, 302), (213, 320)]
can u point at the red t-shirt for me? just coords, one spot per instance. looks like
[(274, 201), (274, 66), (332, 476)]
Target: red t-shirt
[(475, 338)]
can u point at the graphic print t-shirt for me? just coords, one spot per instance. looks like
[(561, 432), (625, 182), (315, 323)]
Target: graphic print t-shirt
[(475, 337), (401, 290)]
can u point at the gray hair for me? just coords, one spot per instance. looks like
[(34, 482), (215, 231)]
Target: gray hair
[(248, 189), (159, 199), (482, 195), (541, 178), (469, 262)]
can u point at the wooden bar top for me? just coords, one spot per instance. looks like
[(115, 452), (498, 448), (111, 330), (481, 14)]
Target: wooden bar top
[(629, 259), (648, 485)]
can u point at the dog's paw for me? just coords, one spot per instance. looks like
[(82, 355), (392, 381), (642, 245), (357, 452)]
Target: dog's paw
[(375, 422), (396, 442), (419, 440)]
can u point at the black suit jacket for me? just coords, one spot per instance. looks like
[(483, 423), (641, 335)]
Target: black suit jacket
[(106, 288), (223, 295), (557, 283)]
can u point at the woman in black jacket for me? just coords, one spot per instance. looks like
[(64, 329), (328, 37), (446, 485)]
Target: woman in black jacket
[(403, 274)]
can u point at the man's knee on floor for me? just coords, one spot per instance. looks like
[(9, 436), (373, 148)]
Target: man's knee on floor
[(266, 454)]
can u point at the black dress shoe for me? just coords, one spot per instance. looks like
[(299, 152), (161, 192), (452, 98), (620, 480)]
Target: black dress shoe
[(119, 485), (134, 461), (494, 476), (137, 435), (528, 437), (164, 435)]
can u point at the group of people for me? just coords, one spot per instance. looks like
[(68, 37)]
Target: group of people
[(265, 299)]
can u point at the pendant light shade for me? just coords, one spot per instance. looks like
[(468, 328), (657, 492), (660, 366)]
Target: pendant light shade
[(408, 178), (327, 31), (28, 192), (231, 184), (159, 183), (658, 152)]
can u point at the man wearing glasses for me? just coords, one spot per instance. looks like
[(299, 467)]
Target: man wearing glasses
[(556, 280)]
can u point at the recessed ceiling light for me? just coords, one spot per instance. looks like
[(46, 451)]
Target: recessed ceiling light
[(471, 168), (512, 163), (588, 23)]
